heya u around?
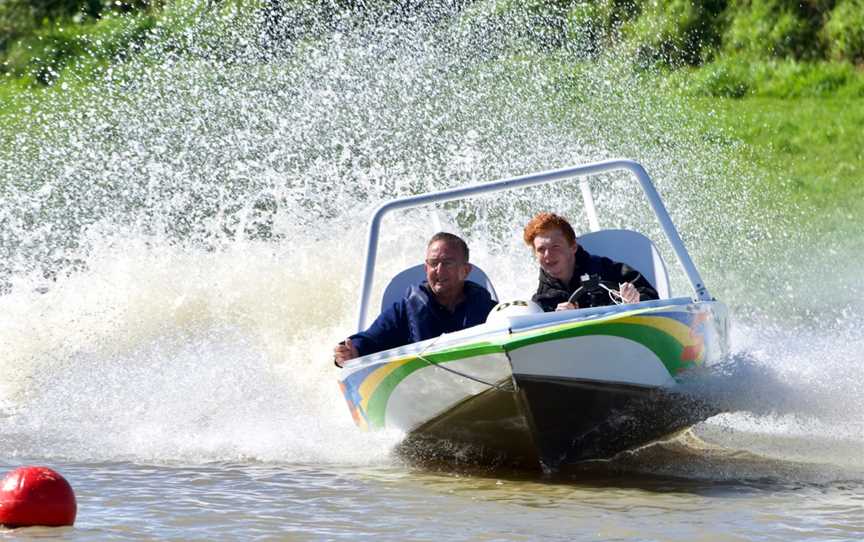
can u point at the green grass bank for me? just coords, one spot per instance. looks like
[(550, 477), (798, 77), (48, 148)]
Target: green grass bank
[(811, 148)]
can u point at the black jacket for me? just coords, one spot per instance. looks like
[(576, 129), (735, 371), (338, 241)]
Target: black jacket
[(551, 291)]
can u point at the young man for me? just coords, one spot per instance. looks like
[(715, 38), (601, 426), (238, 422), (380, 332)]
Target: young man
[(444, 303), (563, 263)]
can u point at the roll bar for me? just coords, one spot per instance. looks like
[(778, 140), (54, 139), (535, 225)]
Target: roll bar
[(544, 177)]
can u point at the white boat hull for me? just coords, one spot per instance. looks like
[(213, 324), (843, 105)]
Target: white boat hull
[(548, 389)]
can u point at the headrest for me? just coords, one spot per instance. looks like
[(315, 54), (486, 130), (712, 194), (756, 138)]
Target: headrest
[(634, 249), (417, 274)]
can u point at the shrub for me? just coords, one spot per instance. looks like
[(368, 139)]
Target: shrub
[(596, 25), (776, 28), (677, 32), (737, 77), (16, 19), (791, 79), (844, 31), (42, 56), (41, 53), (728, 78)]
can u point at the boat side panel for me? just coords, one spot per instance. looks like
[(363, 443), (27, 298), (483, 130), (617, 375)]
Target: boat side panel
[(368, 389), (676, 336), (426, 393), (680, 336), (593, 357)]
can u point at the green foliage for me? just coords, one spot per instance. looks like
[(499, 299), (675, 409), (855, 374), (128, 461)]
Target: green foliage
[(724, 78), (776, 28), (738, 77), (21, 17), (39, 39), (844, 31), (683, 32), (593, 26), (676, 32), (42, 55), (64, 56)]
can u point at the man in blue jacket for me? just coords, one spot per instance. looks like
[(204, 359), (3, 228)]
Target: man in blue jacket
[(444, 303)]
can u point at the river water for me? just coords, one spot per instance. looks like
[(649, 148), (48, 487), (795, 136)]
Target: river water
[(181, 247)]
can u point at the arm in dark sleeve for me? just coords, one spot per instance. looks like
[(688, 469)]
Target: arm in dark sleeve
[(478, 304), (550, 293), (546, 302), (479, 308), (388, 331), (487, 309)]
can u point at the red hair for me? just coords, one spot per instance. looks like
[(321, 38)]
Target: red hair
[(545, 222)]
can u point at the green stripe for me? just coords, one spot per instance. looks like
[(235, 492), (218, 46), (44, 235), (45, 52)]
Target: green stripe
[(467, 351), (664, 346), (378, 402), (486, 347)]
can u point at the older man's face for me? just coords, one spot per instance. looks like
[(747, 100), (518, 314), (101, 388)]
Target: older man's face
[(446, 269)]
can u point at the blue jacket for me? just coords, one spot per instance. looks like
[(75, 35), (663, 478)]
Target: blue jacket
[(418, 316)]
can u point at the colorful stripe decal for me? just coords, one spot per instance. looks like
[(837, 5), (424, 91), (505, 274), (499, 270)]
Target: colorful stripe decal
[(376, 404), (375, 378), (663, 344), (675, 337)]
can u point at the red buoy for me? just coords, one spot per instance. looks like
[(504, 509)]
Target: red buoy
[(36, 496)]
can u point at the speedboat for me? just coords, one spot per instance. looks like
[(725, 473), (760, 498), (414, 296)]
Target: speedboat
[(544, 390)]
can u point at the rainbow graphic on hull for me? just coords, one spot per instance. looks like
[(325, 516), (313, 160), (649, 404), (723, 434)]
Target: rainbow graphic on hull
[(679, 337)]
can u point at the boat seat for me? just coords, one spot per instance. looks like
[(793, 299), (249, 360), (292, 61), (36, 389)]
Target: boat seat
[(417, 274), (634, 249)]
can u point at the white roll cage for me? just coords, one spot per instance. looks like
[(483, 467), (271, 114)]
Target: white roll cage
[(699, 289)]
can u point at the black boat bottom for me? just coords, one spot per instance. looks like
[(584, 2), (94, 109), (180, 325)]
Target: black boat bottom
[(548, 422)]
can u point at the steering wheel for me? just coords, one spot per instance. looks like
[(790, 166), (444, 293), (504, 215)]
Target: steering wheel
[(593, 293)]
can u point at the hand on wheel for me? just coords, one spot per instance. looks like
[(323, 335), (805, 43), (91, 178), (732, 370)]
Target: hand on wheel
[(629, 293)]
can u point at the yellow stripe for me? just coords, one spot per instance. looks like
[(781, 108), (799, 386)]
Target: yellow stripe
[(367, 388), (676, 329), (619, 317)]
